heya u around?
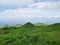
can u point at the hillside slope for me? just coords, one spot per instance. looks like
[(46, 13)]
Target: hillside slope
[(42, 35)]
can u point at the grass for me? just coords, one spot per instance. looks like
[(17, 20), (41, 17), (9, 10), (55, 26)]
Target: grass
[(38, 35)]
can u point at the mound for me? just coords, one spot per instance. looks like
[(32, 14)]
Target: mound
[(40, 24), (28, 25), (54, 27)]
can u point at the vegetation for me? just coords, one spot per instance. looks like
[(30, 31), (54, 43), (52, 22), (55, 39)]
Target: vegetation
[(29, 34)]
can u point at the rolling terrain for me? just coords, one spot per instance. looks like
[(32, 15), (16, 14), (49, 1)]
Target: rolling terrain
[(31, 34)]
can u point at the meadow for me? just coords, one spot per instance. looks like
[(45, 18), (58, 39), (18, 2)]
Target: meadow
[(30, 34)]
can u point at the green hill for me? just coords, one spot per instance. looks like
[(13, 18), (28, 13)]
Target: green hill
[(54, 27), (28, 25), (31, 35), (40, 24)]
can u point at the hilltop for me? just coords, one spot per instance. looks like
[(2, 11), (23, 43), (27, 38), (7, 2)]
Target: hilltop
[(54, 27), (40, 24), (28, 25)]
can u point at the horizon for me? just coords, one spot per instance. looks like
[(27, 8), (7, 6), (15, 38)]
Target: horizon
[(25, 23), (35, 11)]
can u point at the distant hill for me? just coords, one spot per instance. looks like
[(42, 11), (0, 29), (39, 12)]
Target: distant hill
[(54, 27), (28, 25), (40, 24), (17, 25)]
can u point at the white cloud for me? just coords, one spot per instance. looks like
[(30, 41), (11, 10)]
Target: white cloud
[(53, 5), (15, 2), (35, 9), (46, 5), (36, 12)]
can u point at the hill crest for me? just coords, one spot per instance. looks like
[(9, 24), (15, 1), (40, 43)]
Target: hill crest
[(28, 25)]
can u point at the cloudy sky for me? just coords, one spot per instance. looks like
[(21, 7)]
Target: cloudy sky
[(35, 11)]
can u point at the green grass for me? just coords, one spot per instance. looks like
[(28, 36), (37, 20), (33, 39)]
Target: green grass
[(38, 35)]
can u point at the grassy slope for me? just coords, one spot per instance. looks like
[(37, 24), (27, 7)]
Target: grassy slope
[(43, 35)]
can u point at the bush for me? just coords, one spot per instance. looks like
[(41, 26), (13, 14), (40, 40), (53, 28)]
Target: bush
[(5, 28)]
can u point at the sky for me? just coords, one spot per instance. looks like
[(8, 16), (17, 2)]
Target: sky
[(35, 11)]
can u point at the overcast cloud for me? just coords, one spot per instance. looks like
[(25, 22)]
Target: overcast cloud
[(35, 11)]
